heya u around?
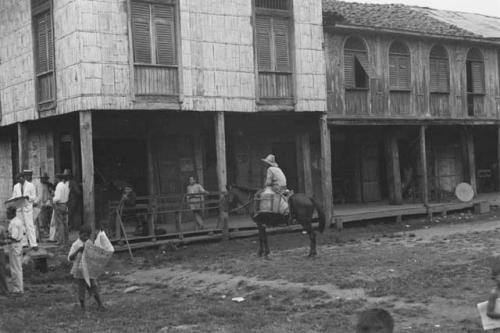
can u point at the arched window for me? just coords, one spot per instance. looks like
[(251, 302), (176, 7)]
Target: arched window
[(439, 70), (355, 64), (475, 80), (399, 66)]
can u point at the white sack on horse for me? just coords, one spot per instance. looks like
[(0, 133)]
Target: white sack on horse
[(272, 202)]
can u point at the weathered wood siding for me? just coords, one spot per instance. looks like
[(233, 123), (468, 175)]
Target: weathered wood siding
[(419, 101), (93, 59), (6, 176)]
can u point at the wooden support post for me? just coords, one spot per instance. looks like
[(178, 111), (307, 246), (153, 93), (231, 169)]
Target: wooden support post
[(498, 157), (471, 160), (305, 150), (87, 168), (198, 157), (423, 165), (22, 146), (326, 170), (220, 147), (393, 170), (151, 184)]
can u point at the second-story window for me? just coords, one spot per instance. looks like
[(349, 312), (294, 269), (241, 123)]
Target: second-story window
[(475, 81), (399, 66), (43, 34), (272, 35), (355, 64), (439, 70), (155, 48)]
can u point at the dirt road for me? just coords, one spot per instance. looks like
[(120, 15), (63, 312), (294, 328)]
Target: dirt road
[(429, 276)]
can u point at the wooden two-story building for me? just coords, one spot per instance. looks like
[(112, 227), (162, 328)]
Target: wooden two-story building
[(413, 102), (150, 92)]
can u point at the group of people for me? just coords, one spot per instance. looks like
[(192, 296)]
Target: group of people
[(49, 207)]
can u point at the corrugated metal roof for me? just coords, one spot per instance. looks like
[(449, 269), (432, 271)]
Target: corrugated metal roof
[(411, 19)]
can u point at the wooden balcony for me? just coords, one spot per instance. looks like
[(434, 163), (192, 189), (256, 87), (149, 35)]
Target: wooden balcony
[(276, 87), (356, 102), (400, 103), (156, 82), (440, 105)]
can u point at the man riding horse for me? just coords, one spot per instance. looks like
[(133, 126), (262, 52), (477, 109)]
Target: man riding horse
[(274, 196)]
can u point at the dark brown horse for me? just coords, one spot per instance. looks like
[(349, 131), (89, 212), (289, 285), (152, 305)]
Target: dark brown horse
[(301, 210)]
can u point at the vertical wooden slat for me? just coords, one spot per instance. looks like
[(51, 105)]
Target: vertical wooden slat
[(87, 152), (151, 180), (326, 170), (498, 155), (423, 165), (220, 148)]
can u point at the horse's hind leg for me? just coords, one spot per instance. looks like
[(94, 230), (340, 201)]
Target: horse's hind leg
[(266, 246), (312, 239)]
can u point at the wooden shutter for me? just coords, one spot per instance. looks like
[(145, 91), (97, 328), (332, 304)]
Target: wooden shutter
[(348, 69), (263, 42), (439, 74), (42, 58), (141, 32), (50, 43), (164, 25), (399, 72), (281, 44), (477, 77)]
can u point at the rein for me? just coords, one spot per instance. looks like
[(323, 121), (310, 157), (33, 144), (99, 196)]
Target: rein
[(250, 199)]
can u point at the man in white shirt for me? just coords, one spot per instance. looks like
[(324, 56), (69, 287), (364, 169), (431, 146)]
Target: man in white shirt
[(60, 214), (24, 188), (16, 233), (275, 178)]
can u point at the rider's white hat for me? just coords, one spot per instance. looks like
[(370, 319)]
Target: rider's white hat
[(270, 159)]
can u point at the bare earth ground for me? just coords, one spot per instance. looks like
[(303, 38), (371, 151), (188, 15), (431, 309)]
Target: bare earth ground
[(429, 275)]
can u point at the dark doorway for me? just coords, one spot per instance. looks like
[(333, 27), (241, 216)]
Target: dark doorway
[(286, 156)]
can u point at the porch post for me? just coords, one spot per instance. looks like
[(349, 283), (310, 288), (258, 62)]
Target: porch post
[(151, 182), (220, 147), (22, 146), (423, 162), (393, 171), (305, 162), (87, 168), (498, 156), (326, 169), (471, 160)]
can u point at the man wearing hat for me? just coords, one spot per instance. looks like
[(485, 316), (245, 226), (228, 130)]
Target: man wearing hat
[(24, 188), (275, 178)]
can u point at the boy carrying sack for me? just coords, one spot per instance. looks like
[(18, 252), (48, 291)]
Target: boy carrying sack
[(89, 261)]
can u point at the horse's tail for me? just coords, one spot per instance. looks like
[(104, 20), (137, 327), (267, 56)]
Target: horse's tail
[(321, 215)]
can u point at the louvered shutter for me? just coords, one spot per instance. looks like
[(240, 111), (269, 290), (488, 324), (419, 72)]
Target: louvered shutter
[(282, 50), (141, 32), (434, 71), (404, 72), (393, 71), (164, 23), (41, 23), (444, 75), (348, 69), (50, 43), (363, 60), (477, 77), (263, 42)]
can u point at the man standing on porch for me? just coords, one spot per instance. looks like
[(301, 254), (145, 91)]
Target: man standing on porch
[(60, 213), (195, 200), (24, 188), (275, 178)]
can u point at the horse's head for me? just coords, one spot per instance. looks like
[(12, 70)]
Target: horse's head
[(237, 196)]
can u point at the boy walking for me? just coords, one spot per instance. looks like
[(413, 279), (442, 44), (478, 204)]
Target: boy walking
[(16, 234), (75, 255)]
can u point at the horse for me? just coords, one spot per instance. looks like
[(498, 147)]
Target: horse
[(301, 209)]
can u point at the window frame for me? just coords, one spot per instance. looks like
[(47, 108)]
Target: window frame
[(353, 53), (438, 58), (399, 56)]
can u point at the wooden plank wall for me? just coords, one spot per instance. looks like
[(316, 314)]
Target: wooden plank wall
[(419, 102)]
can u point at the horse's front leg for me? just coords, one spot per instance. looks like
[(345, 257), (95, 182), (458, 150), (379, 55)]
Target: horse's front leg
[(261, 240)]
